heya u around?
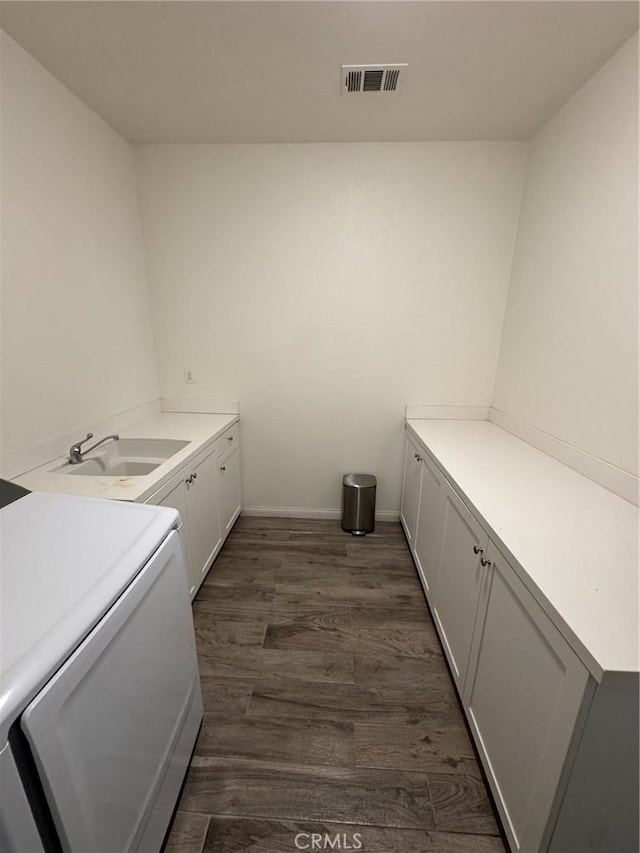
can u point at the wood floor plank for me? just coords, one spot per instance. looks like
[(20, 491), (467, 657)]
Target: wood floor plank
[(439, 743), (360, 641), (282, 609), (381, 555), (225, 696), (388, 616), (347, 702), (336, 535), (383, 574), (234, 575), (379, 797), (429, 673), (382, 562), (212, 633), (294, 635), (205, 609), (371, 560), (298, 572), (277, 535), (285, 548), (292, 739), (309, 576), (397, 640), (188, 833), (327, 615), (222, 597), (225, 561), (462, 804), (347, 593), (251, 662), (257, 835)]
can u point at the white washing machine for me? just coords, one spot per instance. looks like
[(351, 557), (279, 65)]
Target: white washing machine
[(100, 700)]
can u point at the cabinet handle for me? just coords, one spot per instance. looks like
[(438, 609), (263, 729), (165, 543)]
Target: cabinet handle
[(189, 480), (229, 438), (418, 458), (484, 562), (477, 550), (194, 476), (223, 468)]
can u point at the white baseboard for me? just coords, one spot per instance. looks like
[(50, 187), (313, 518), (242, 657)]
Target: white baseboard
[(22, 461), (447, 413), (623, 483), (201, 407), (310, 513)]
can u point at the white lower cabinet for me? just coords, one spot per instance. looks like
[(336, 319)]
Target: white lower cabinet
[(207, 494), (461, 583), (558, 745), (523, 697)]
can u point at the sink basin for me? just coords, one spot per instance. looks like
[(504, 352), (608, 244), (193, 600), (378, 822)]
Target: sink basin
[(124, 468), (143, 448), (128, 457)]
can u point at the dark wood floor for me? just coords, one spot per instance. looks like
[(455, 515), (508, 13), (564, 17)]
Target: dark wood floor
[(328, 705)]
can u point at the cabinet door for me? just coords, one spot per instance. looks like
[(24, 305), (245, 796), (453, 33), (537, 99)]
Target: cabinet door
[(428, 538), (524, 696), (203, 512), (410, 491), (229, 490), (176, 498), (460, 583)]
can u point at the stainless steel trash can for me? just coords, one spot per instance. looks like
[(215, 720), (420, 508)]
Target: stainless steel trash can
[(358, 503)]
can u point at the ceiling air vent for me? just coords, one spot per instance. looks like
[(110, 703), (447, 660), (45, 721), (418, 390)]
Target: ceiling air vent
[(372, 78)]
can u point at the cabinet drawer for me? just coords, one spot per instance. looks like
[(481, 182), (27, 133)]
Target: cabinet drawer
[(229, 438)]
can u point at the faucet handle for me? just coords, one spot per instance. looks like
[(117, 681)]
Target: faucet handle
[(76, 447), (75, 454)]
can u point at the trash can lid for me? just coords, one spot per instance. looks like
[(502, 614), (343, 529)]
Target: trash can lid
[(359, 481)]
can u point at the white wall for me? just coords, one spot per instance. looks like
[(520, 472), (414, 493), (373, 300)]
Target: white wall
[(569, 357), (77, 341), (324, 287)]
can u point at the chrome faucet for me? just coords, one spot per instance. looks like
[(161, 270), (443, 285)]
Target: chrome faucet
[(75, 454)]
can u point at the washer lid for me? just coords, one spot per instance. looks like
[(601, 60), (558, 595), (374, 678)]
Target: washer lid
[(64, 561)]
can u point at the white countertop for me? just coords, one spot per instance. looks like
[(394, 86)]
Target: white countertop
[(199, 430), (573, 543)]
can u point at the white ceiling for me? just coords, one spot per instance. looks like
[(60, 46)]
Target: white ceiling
[(181, 71)]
